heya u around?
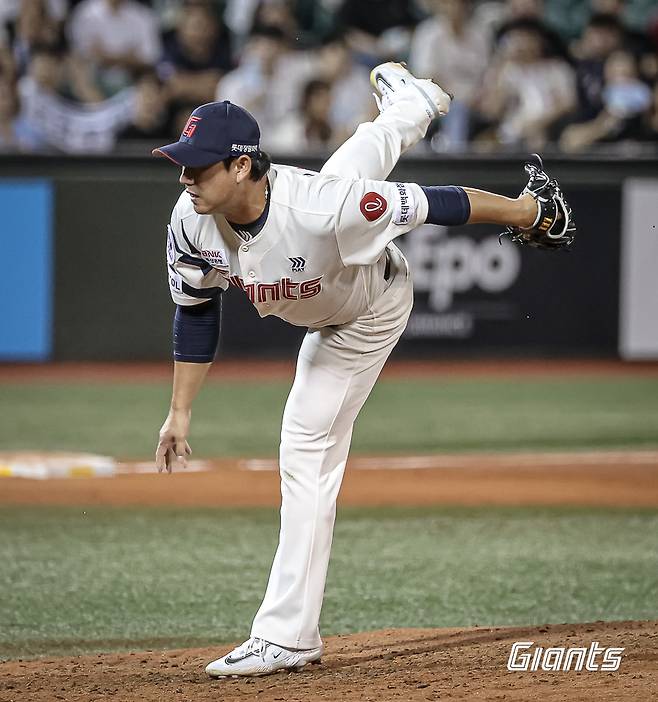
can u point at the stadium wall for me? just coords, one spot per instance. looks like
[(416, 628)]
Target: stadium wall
[(102, 292)]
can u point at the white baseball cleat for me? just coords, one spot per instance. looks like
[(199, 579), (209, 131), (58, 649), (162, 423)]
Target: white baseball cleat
[(392, 80), (259, 657)]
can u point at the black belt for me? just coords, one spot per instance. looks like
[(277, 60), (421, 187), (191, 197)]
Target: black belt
[(387, 267)]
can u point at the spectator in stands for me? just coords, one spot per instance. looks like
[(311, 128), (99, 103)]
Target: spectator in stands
[(16, 132), (624, 94), (33, 26), (492, 15), (55, 72), (570, 17), (633, 16), (39, 89), (532, 11), (525, 90), (603, 36), (379, 29), (316, 112), (7, 64), (306, 22), (239, 18), (196, 54), (277, 13), (269, 79), (36, 26), (626, 103), (121, 37), (167, 13), (524, 9), (10, 11), (331, 105), (67, 125), (650, 131), (46, 70), (652, 28), (310, 127), (650, 59), (525, 98), (451, 48), (316, 21), (149, 121), (351, 92)]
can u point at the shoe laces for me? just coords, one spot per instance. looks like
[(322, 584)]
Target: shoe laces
[(256, 646), (385, 97)]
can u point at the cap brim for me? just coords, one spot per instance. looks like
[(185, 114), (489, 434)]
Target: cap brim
[(183, 154)]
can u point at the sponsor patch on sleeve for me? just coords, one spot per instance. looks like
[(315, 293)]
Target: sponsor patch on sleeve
[(175, 282), (372, 206), (171, 245), (404, 208)]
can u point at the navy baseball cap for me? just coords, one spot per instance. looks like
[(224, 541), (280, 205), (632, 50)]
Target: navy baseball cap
[(214, 132)]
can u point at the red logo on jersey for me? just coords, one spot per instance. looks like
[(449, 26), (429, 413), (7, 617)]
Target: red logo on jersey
[(284, 289), (373, 206), (190, 127)]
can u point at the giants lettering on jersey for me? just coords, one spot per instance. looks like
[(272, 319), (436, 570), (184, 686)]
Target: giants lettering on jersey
[(284, 289)]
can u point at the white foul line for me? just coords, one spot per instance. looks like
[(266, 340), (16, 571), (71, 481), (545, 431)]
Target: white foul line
[(477, 460)]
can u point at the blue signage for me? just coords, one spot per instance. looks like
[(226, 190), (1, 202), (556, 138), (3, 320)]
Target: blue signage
[(26, 277)]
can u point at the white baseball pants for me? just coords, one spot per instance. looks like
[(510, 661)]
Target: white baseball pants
[(336, 370)]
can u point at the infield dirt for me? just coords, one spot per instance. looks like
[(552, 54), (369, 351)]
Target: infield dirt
[(405, 664), (612, 479)]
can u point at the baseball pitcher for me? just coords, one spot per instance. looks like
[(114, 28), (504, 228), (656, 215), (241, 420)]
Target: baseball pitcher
[(315, 249)]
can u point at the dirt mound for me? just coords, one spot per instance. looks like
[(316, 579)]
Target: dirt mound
[(412, 664)]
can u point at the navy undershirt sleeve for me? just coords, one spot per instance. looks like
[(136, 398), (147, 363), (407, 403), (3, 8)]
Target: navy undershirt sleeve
[(196, 331), (448, 205)]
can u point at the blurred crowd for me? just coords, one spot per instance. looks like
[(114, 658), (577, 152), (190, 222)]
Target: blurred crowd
[(80, 76)]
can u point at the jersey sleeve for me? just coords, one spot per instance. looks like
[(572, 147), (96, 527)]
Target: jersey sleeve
[(373, 214), (192, 280)]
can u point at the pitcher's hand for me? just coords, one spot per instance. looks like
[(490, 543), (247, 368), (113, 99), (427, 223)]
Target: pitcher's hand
[(172, 446)]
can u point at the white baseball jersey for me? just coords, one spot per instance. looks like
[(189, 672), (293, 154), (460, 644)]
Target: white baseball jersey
[(318, 260)]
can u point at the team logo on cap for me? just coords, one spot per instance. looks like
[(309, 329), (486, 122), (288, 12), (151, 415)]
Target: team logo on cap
[(373, 206), (190, 127)]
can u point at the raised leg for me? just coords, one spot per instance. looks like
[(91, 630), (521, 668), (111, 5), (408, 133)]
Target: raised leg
[(375, 147)]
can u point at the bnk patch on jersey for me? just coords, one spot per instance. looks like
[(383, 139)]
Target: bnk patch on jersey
[(215, 257), (373, 206), (404, 209)]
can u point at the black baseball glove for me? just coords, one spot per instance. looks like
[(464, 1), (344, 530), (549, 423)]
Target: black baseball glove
[(554, 227)]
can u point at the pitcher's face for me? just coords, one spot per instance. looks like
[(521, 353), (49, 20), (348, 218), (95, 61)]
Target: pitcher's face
[(211, 188)]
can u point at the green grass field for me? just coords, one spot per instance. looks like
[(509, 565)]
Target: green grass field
[(76, 580), (401, 417)]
